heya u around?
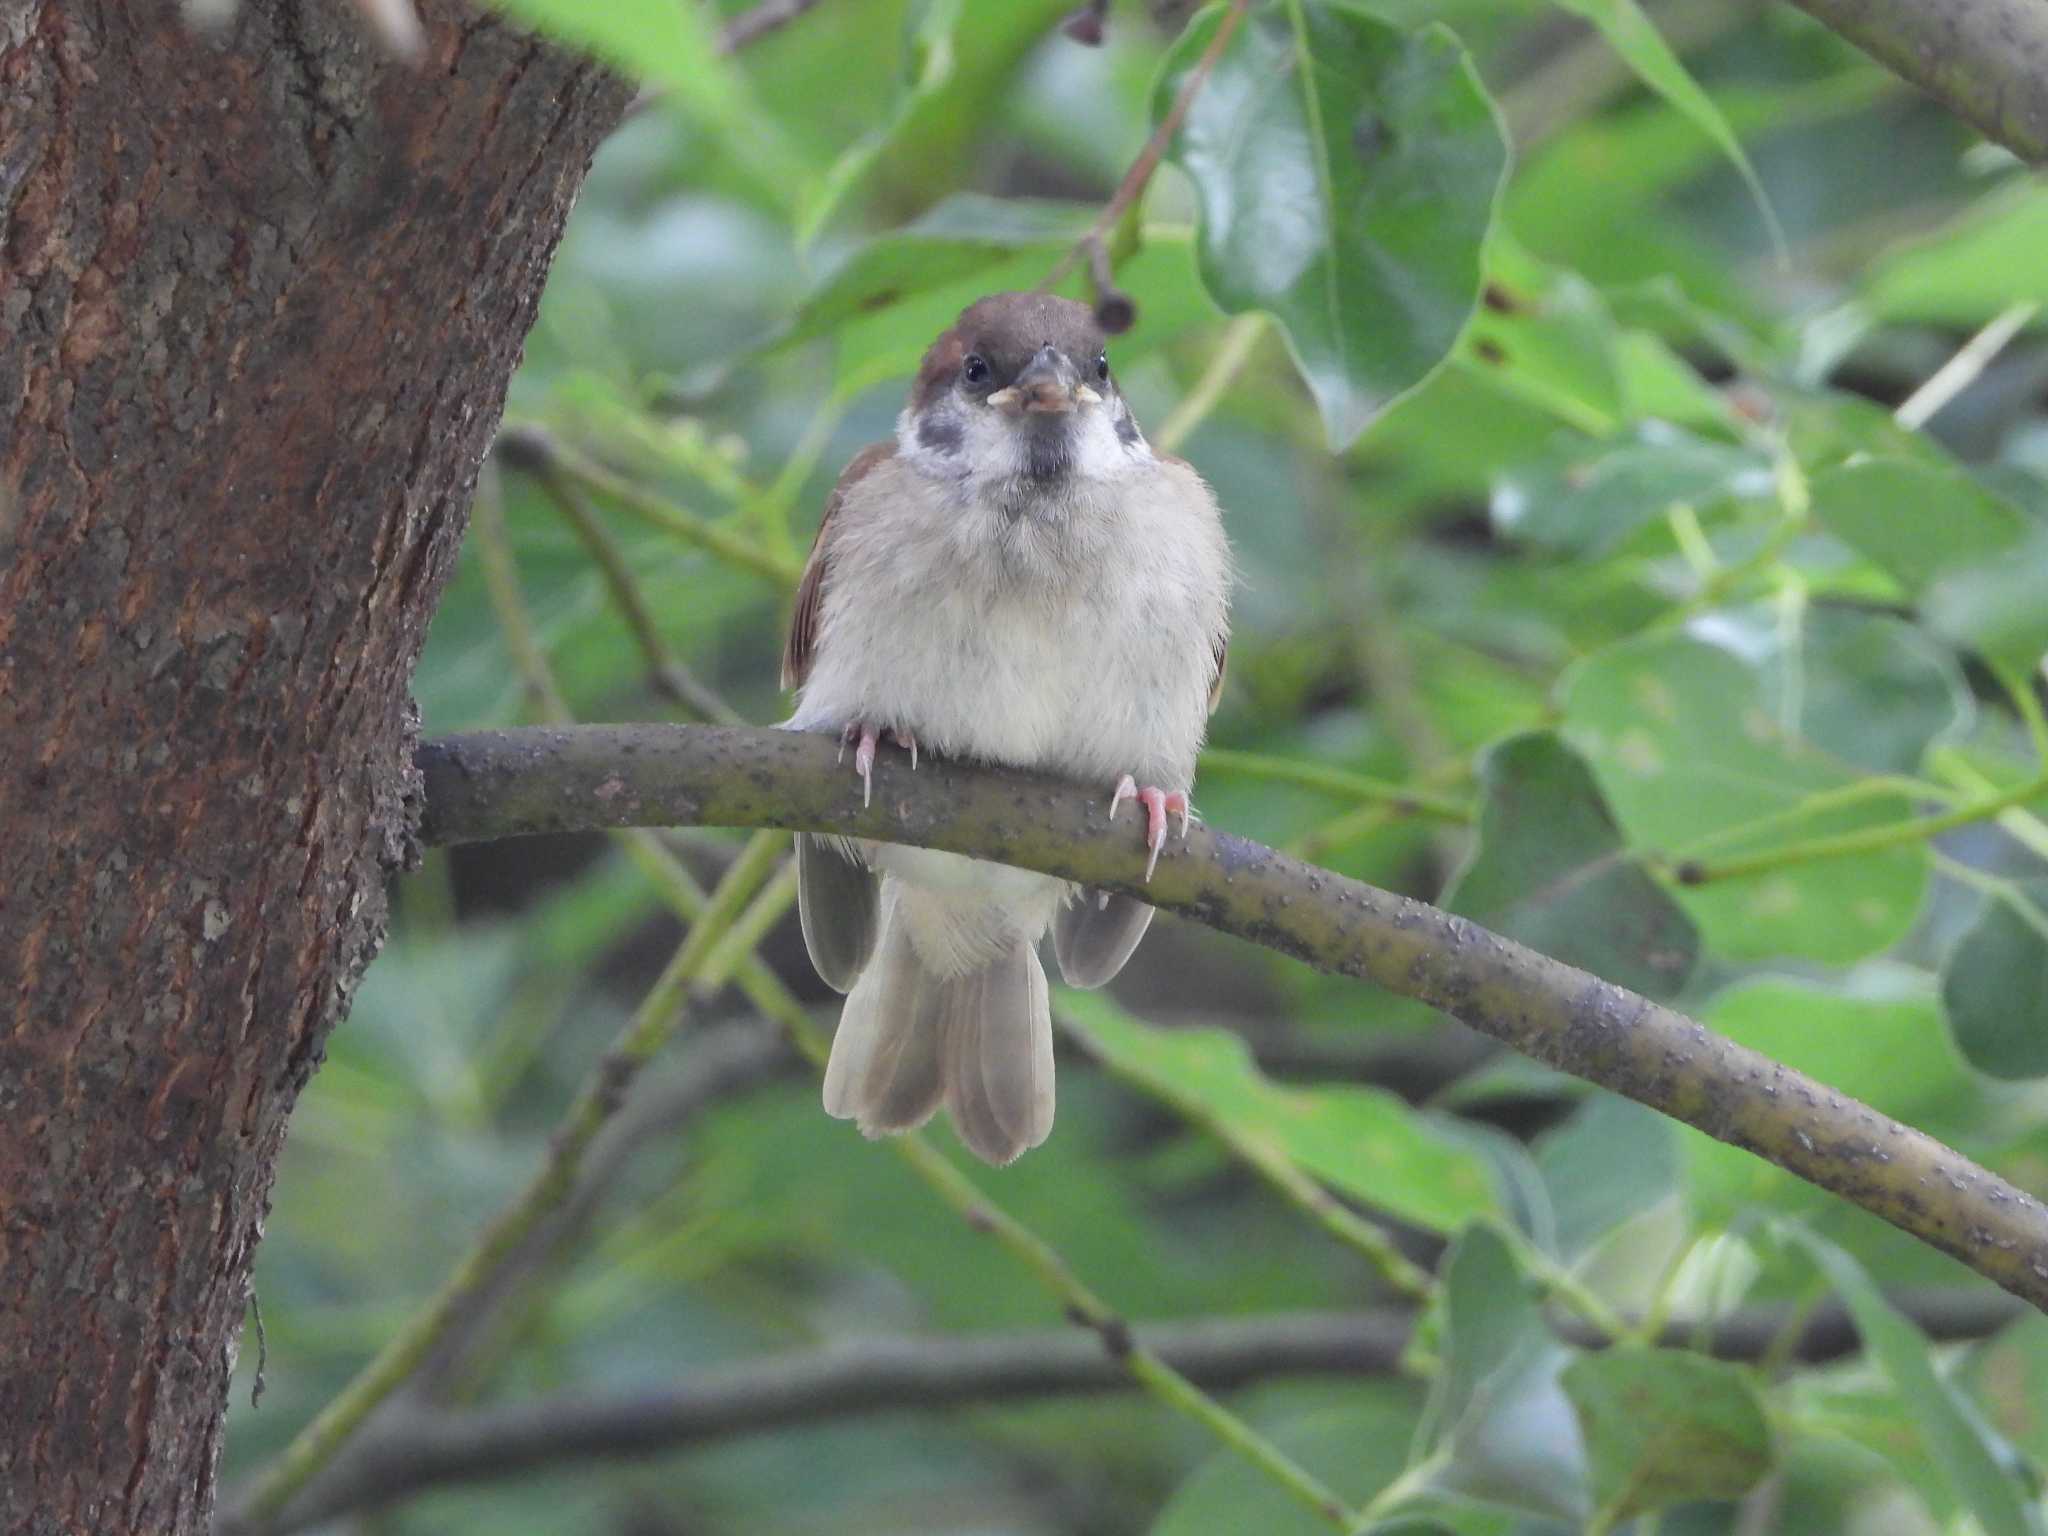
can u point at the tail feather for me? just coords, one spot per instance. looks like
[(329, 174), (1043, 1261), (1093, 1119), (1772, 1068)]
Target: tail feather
[(884, 1071), (981, 1042), (1094, 934), (996, 1028), (836, 901)]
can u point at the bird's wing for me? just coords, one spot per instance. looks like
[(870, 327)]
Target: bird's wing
[(810, 591)]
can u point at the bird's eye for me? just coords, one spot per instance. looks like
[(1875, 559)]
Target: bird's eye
[(1102, 367), (974, 370)]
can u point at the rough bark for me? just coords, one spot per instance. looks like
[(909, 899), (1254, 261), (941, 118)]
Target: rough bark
[(260, 295)]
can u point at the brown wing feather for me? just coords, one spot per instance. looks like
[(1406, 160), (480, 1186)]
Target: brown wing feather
[(810, 591)]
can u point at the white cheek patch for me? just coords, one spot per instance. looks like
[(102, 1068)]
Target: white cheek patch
[(991, 451)]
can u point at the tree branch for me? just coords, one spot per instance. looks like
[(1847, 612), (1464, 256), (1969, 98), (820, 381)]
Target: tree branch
[(508, 783), (1985, 60), (419, 1451)]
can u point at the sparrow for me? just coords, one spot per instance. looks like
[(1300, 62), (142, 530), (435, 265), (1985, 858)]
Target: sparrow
[(1018, 578)]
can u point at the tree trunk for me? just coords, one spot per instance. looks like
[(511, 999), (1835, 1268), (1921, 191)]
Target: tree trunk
[(260, 294)]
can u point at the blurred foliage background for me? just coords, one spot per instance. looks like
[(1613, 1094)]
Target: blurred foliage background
[(1631, 427)]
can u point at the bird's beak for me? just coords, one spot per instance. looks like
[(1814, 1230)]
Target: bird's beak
[(1048, 385)]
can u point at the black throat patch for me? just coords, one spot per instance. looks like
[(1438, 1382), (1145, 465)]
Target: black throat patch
[(1048, 451), (940, 431)]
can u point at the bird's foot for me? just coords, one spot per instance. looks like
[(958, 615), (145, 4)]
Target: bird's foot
[(1158, 804), (866, 737)]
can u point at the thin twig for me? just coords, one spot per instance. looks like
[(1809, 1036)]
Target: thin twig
[(527, 447), (665, 670), (747, 27), (1336, 781), (1240, 340), (762, 988), (752, 25), (596, 1101), (719, 1065), (599, 1098), (1111, 303), (1863, 840), (1969, 362), (897, 1375), (500, 784)]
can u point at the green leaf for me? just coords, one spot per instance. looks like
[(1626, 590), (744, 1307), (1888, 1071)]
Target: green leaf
[(1612, 1160), (1983, 261), (1546, 335), (1867, 688), (1642, 47), (2008, 1381), (1689, 756), (1973, 559), (1916, 521), (1995, 607), (962, 239), (1550, 869), (1581, 498), (1498, 1426), (1353, 1449), (648, 39), (675, 47), (953, 72), (1978, 1465), (1994, 984), (1347, 174), (1365, 1142), (1664, 1426)]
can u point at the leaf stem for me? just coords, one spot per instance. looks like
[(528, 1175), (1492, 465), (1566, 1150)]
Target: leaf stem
[(1336, 781), (1863, 840), (1240, 340), (1819, 803), (529, 447), (600, 1096), (1092, 245), (665, 670)]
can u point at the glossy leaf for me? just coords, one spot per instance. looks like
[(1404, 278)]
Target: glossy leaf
[(1550, 869), (1994, 984), (1976, 1463), (1582, 498), (1362, 1141), (1346, 173), (1664, 1426), (1689, 757)]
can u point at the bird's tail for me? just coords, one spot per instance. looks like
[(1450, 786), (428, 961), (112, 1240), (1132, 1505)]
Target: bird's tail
[(980, 1041)]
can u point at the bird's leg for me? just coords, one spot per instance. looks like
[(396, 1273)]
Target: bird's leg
[(1158, 804), (866, 737)]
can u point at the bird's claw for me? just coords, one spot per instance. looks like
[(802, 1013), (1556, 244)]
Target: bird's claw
[(866, 738), (1158, 804)]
